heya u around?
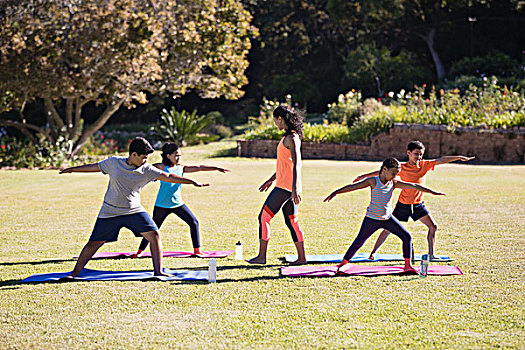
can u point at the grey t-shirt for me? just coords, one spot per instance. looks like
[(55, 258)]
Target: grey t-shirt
[(125, 182)]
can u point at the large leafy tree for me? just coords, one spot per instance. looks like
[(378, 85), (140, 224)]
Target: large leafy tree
[(296, 51), (71, 52), (423, 27)]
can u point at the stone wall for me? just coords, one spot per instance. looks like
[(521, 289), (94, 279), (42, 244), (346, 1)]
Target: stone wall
[(489, 146)]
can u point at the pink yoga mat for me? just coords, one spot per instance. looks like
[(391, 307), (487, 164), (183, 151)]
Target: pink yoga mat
[(210, 254), (359, 270)]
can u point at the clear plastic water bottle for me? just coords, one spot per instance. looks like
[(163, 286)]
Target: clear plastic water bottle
[(238, 251), (423, 271), (212, 271)]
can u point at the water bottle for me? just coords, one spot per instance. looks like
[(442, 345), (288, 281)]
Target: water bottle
[(238, 251), (212, 271), (423, 271)]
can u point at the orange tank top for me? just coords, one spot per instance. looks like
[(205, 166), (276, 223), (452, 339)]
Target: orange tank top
[(284, 170)]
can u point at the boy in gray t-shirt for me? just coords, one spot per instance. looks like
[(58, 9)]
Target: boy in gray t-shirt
[(121, 207)]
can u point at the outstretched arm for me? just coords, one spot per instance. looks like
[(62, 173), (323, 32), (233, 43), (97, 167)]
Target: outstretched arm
[(413, 186), (86, 168), (448, 159), (267, 184), (179, 180), (195, 168), (368, 182), (364, 176)]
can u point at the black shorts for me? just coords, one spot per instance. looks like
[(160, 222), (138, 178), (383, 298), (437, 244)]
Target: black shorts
[(107, 229), (415, 211)]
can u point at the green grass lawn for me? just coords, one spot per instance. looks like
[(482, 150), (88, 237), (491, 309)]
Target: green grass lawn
[(46, 218)]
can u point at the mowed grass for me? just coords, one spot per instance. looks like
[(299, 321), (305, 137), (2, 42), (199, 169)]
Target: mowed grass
[(46, 218)]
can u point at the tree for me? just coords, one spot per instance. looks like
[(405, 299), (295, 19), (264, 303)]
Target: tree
[(376, 70), (296, 52), (71, 52)]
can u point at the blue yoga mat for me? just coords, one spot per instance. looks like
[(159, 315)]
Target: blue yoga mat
[(96, 275), (359, 257)]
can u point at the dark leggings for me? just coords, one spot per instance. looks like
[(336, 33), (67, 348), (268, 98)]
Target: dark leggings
[(183, 212), (370, 226), (277, 199)]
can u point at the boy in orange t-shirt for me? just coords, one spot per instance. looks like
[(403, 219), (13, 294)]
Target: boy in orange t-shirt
[(410, 202)]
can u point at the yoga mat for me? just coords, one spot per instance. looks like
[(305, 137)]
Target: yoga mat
[(359, 270), (119, 255), (97, 275), (359, 257)]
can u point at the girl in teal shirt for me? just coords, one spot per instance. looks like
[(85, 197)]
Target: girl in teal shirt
[(169, 199)]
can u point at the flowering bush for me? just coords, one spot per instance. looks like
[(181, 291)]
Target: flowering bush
[(347, 108), (265, 117), (26, 154), (263, 126), (489, 106), (100, 145)]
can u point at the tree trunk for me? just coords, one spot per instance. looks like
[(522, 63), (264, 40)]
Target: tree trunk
[(51, 110), (429, 40), (23, 127), (90, 130)]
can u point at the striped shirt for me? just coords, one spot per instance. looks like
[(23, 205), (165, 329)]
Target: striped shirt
[(380, 207)]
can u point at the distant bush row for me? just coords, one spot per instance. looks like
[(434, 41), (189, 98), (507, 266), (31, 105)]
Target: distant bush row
[(352, 120)]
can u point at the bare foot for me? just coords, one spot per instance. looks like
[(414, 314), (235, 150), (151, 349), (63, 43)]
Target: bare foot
[(257, 260), (298, 262), (162, 274), (67, 278), (372, 256)]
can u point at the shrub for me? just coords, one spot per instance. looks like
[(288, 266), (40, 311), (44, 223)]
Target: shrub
[(333, 133), (220, 130), (26, 154), (346, 109), (489, 106), (181, 127), (380, 120), (265, 117), (100, 145), (495, 63), (122, 134)]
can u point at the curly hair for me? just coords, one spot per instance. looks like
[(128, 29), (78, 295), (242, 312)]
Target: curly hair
[(390, 163), (168, 148), (292, 118)]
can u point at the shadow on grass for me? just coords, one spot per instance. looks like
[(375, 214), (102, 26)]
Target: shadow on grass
[(43, 262), (15, 282), (232, 267), (251, 279), (12, 284)]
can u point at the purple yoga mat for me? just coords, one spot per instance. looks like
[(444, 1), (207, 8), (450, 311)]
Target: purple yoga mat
[(211, 254), (359, 270)]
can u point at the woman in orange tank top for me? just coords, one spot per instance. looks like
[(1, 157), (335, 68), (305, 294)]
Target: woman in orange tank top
[(287, 192)]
